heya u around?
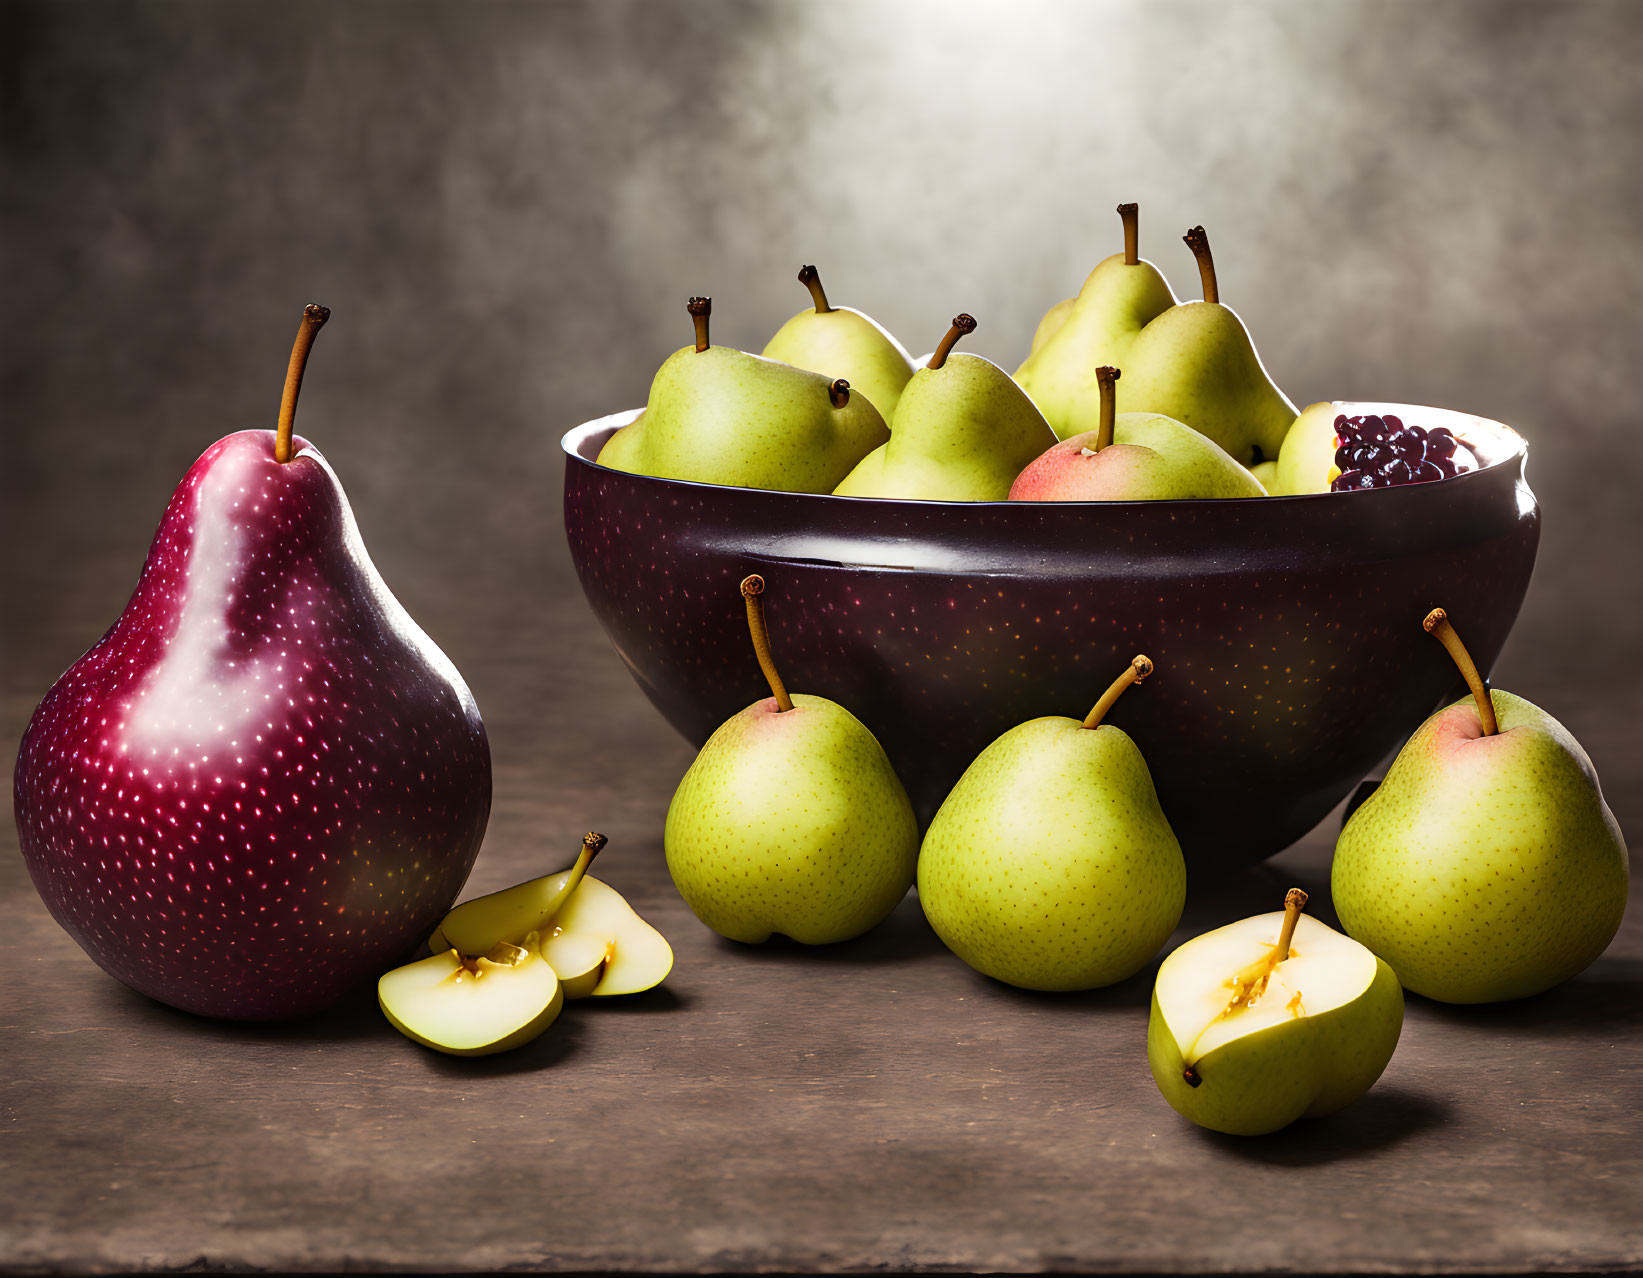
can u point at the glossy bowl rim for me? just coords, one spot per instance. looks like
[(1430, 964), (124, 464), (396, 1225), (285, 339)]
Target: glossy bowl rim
[(1512, 447)]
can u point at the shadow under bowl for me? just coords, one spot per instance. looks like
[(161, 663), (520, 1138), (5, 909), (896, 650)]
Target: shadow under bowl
[(1285, 630)]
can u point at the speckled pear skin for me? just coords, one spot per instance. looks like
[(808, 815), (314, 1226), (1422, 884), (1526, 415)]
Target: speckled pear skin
[(845, 343), (722, 416), (943, 625), (1308, 453), (792, 822), (962, 432), (1051, 866), (1099, 327), (1306, 1068), (1484, 868), (1151, 458), (1196, 363), (265, 783)]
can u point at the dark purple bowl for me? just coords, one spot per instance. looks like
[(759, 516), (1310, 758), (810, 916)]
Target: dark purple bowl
[(1286, 630)]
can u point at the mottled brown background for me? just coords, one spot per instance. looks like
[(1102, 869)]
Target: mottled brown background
[(505, 205)]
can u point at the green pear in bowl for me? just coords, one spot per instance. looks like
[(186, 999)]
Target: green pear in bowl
[(1306, 462), (1120, 297), (721, 416), (841, 342), (1133, 457), (1486, 866), (791, 819), (1271, 1019), (963, 431), (1196, 363), (1051, 324), (1050, 865), (1266, 475)]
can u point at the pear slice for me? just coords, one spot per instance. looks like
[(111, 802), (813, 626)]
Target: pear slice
[(473, 1006), (511, 914), (579, 958), (588, 933), (1271, 1019), (597, 919)]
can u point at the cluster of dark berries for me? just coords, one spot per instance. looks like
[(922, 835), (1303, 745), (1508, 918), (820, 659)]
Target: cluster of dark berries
[(1381, 452)]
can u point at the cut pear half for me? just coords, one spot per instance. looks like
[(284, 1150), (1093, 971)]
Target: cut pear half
[(1324, 970), (473, 1006), (1271, 1019)]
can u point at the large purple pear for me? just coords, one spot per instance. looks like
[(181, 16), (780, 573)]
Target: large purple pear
[(265, 783)]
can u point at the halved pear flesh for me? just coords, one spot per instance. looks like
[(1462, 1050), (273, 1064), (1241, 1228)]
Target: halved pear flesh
[(473, 1006), (1252, 1028)]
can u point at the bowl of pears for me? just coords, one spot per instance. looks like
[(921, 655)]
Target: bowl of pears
[(962, 548)]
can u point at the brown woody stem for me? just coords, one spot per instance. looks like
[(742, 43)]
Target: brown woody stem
[(1106, 378), (962, 324), (1131, 213), (1294, 903), (1198, 241), (810, 277), (839, 393), (313, 319), (700, 308), (1139, 668), (752, 592), (1438, 625)]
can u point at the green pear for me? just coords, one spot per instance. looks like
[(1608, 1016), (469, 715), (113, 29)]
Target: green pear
[(841, 342), (963, 431), (1486, 866), (1270, 1019), (1051, 324), (1133, 457), (1306, 462), (1266, 475), (1121, 296), (791, 819), (721, 416), (1195, 362), (1050, 865)]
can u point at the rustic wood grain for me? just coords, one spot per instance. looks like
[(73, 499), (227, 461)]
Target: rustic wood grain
[(871, 1105)]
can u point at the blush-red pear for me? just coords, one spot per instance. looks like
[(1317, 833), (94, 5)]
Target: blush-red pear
[(265, 783)]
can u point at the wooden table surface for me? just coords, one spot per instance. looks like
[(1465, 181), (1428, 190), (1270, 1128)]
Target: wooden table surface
[(871, 1105)]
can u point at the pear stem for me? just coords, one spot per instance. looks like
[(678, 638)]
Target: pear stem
[(752, 589), (839, 393), (592, 842), (313, 319), (962, 324), (1294, 903), (1131, 213), (1106, 378), (1438, 625), (700, 308), (1139, 668), (1198, 241), (810, 277)]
